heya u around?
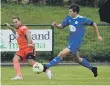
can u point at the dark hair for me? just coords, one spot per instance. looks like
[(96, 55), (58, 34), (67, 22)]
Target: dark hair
[(74, 7), (15, 17)]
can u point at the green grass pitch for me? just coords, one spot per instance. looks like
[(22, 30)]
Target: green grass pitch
[(62, 75)]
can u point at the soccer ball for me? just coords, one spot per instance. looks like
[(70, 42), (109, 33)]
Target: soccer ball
[(38, 68)]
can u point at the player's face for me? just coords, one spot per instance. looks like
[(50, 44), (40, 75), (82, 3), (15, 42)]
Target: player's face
[(16, 22), (72, 13)]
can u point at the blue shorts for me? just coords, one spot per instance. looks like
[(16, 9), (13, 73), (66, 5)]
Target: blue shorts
[(74, 46)]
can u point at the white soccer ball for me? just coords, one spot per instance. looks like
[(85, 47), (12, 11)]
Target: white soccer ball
[(38, 68)]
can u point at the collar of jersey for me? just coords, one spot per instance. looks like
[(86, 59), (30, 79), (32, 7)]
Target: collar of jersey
[(76, 17), (19, 26)]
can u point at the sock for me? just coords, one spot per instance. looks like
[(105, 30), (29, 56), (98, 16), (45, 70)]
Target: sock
[(17, 68), (54, 62), (86, 64)]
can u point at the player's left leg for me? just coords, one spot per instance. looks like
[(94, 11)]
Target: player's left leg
[(74, 47), (85, 63), (82, 61)]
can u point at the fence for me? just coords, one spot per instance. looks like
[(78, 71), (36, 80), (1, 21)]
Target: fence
[(94, 52)]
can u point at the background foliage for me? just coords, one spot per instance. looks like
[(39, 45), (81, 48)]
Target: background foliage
[(90, 3)]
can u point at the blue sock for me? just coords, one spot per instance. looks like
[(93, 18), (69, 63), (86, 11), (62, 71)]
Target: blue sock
[(56, 60), (86, 64)]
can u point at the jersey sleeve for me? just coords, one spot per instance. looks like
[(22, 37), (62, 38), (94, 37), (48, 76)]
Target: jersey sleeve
[(25, 29), (87, 21), (65, 22)]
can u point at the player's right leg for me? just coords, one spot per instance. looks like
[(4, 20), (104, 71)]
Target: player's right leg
[(31, 61), (56, 60), (17, 68)]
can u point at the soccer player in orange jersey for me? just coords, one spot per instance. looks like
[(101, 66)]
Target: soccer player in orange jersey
[(26, 48)]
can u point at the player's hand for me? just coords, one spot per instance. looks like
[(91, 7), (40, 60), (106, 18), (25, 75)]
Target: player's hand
[(100, 38), (8, 25), (57, 25), (32, 45), (54, 24)]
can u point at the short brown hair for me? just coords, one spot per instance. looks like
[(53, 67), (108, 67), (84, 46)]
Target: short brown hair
[(75, 8), (15, 17)]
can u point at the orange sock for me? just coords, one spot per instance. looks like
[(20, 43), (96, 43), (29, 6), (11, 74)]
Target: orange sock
[(17, 68)]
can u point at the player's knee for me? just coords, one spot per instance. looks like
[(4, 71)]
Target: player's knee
[(30, 56), (77, 59), (61, 54), (15, 60)]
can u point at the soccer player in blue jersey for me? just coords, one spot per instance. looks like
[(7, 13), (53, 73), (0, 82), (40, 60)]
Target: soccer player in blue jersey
[(76, 25)]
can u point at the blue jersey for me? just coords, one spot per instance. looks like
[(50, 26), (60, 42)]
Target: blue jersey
[(76, 26)]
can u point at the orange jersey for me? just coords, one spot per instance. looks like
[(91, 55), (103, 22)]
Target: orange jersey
[(24, 49), (21, 36)]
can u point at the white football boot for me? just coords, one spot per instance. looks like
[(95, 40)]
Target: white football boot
[(49, 73), (17, 78)]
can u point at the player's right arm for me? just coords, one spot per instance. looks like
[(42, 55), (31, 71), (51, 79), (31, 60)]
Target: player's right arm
[(28, 37), (12, 29), (64, 23), (57, 25)]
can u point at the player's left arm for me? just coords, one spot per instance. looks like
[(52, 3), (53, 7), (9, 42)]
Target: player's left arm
[(87, 21), (97, 31)]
